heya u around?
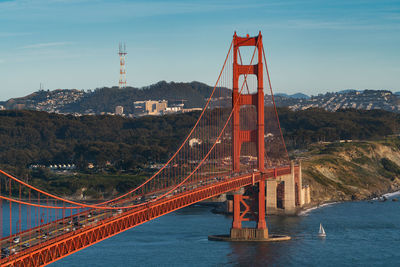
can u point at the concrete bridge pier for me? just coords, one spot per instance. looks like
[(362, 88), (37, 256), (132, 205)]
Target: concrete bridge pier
[(271, 199), (250, 206), (286, 193)]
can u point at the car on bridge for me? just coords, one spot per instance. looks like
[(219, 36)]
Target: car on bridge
[(5, 252)]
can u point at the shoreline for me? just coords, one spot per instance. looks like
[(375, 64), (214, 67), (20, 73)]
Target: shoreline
[(391, 194), (305, 211)]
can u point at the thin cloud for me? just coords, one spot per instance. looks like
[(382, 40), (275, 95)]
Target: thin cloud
[(334, 25), (12, 34), (44, 45)]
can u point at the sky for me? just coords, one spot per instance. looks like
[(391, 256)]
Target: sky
[(312, 46)]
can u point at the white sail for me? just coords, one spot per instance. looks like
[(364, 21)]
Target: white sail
[(321, 230)]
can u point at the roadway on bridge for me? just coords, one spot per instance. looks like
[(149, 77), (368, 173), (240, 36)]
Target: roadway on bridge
[(21, 242)]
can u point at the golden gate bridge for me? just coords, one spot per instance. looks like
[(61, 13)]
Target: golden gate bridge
[(235, 143)]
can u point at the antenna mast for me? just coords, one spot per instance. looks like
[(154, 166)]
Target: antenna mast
[(122, 70)]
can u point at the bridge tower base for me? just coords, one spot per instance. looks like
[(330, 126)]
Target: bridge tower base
[(249, 206), (253, 200)]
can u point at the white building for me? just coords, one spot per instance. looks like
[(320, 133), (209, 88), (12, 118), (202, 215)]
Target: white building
[(119, 110), (195, 141)]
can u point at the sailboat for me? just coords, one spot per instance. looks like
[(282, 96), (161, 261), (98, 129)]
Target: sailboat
[(321, 232)]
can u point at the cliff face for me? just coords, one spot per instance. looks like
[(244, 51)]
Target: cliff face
[(352, 171)]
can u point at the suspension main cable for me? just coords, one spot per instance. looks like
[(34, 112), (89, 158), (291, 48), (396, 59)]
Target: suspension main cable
[(273, 101), (142, 204), (148, 180)]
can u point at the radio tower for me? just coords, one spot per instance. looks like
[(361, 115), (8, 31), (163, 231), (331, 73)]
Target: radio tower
[(122, 71)]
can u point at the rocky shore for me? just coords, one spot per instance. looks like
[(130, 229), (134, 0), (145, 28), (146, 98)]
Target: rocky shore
[(349, 171)]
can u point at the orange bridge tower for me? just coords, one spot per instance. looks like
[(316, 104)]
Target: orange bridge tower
[(254, 201)]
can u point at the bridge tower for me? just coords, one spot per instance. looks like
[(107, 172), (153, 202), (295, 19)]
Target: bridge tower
[(253, 199), (257, 100)]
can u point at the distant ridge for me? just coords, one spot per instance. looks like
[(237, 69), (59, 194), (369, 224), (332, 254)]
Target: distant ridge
[(100, 100), (297, 95), (347, 99), (192, 95), (348, 91)]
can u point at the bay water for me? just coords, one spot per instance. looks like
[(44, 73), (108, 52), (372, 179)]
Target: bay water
[(358, 234)]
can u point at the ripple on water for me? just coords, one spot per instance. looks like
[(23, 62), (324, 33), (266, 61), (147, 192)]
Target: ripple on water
[(358, 234)]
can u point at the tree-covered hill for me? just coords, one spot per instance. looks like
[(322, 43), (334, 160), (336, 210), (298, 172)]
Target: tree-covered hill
[(122, 149), (193, 94), (30, 137), (301, 128)]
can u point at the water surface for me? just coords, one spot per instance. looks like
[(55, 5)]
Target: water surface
[(358, 234)]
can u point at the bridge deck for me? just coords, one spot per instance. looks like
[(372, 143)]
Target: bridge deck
[(67, 243)]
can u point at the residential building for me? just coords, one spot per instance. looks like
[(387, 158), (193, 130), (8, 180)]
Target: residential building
[(119, 110)]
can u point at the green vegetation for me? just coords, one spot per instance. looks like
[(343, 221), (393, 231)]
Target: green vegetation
[(106, 99), (122, 149), (304, 127), (390, 168), (363, 160), (100, 185), (353, 170), (28, 137)]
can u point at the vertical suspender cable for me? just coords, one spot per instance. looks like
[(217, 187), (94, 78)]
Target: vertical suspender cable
[(9, 185)]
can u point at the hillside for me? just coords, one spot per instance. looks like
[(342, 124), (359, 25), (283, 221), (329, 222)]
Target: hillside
[(32, 137), (122, 150), (364, 100), (296, 96), (304, 127), (192, 95), (352, 171), (104, 100)]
